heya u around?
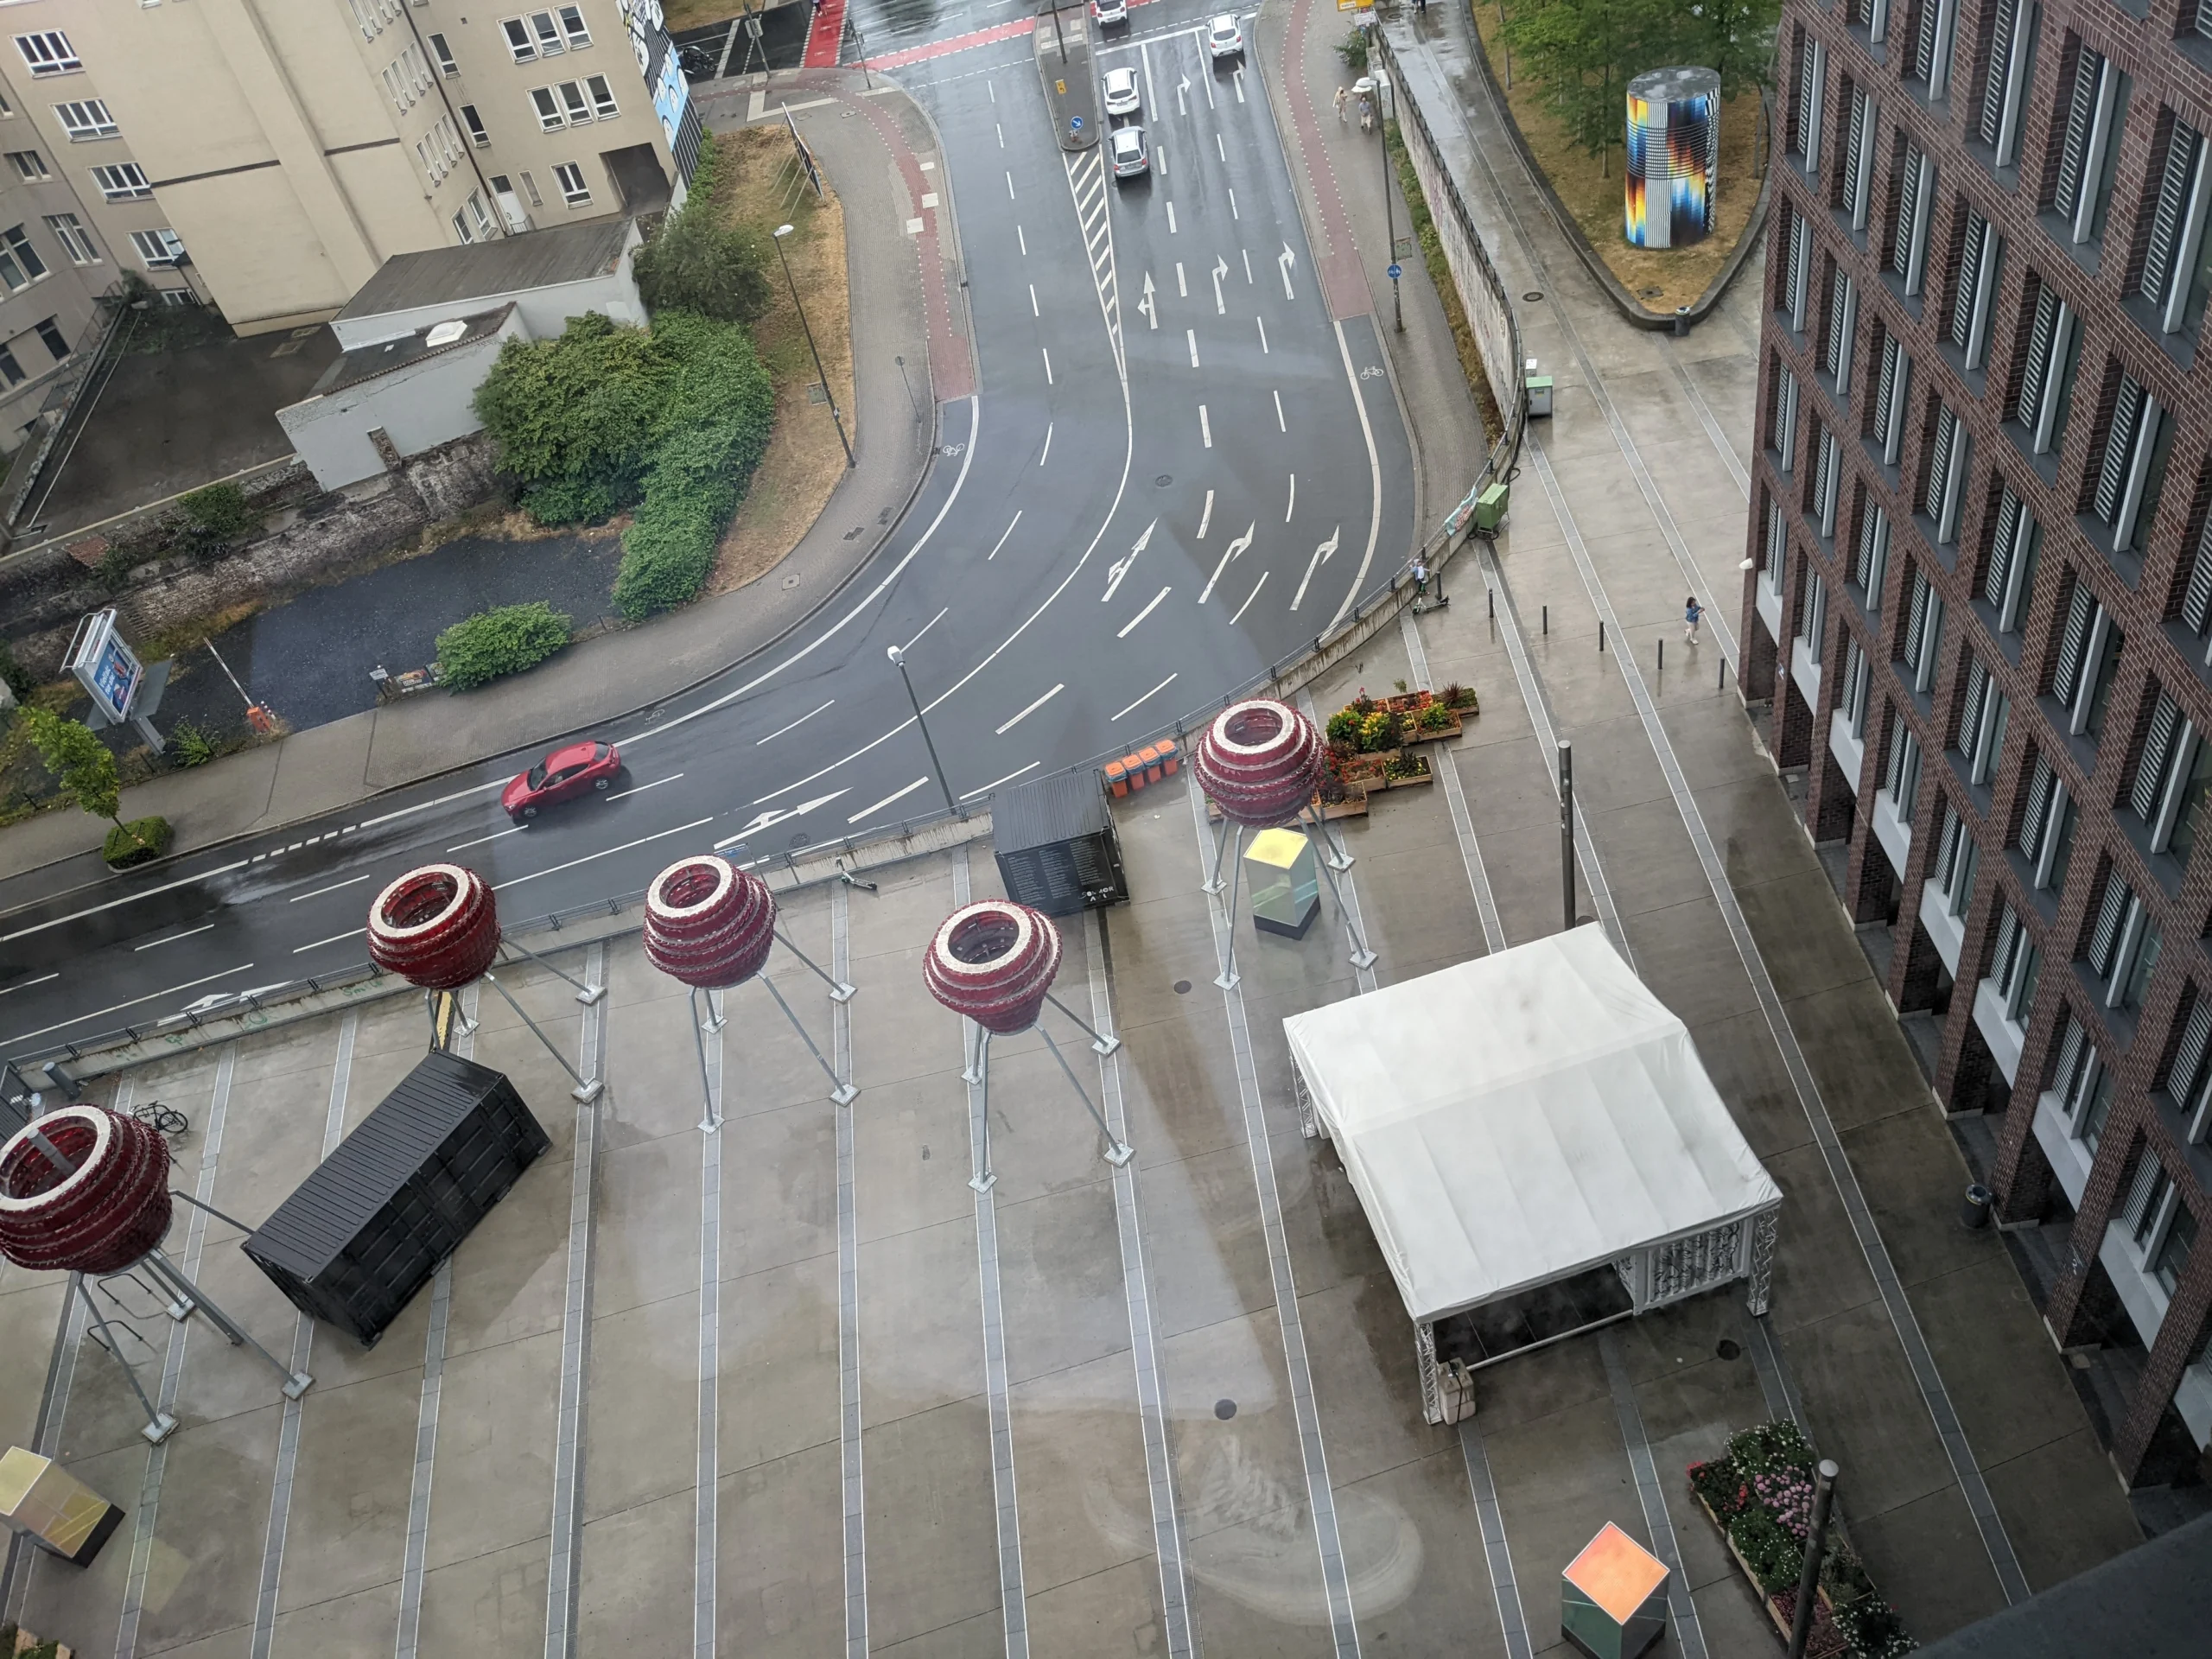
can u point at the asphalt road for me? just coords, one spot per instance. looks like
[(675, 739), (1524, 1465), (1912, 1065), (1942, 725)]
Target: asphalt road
[(1178, 468)]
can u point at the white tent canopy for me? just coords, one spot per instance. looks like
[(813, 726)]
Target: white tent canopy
[(1522, 1118)]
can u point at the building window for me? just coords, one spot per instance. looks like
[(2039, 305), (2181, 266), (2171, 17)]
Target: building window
[(2174, 265), (2171, 778), (2016, 965), (2047, 371), (1782, 418), (2123, 944), (1982, 719), (2171, 1254), (1858, 157), (158, 249), (474, 123), (461, 231), (1956, 860), (1947, 476), (2132, 471), (1980, 249), (48, 53), (2196, 591), (442, 55), (2082, 1084), (1872, 566), (1828, 476), (480, 214), (1935, 30), (1901, 777), (2145, 1213), (125, 181), (2095, 104), (1923, 632), (1812, 73), (406, 77), (373, 15), (1813, 614), (571, 179), (1909, 235), (2047, 827), (2081, 678), (1889, 397), (530, 189), (30, 164), (2189, 1080), (20, 265), (1774, 552), (1858, 677), (545, 33), (1797, 266), (1843, 326), (1874, 16), (87, 118), (10, 371), (52, 338), (76, 241), (2012, 49), (2009, 577), (573, 103)]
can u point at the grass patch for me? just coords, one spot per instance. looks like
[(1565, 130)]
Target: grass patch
[(1447, 290), (1659, 279)]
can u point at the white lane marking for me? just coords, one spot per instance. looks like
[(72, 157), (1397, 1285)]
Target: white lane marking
[(1240, 83), (422, 806), (1248, 597), (22, 985), (116, 1008), (1220, 150), (94, 910), (1246, 254), (1148, 696), (1191, 339), (896, 795), (1159, 159), (1129, 627), (1171, 218), (1374, 482), (1120, 567), (1292, 507), (1205, 431), (1206, 517), (927, 626), (151, 944), (1262, 321), (640, 789), (1009, 185), (1233, 213), (1021, 237), (350, 881), (1000, 543), (778, 815), (1001, 131), (1033, 311), (1182, 288), (1220, 271), (1151, 311), (1046, 450), (1048, 363), (1286, 261), (480, 840), (301, 949), (1322, 555), (1206, 81), (1281, 424), (1234, 550), (802, 719), (992, 90), (662, 835), (1033, 708), (995, 782)]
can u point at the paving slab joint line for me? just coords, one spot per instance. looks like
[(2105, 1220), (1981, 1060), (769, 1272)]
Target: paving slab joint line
[(1455, 800), (706, 1519), (849, 1359), (1927, 1377), (1498, 1552), (1689, 1630), (561, 1575)]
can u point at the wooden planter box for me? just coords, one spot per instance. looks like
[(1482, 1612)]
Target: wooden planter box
[(1354, 805), (1416, 735), (1824, 1641)]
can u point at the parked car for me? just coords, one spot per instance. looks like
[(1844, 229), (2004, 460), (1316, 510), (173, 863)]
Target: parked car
[(1110, 11), (1130, 153), (1122, 91), (576, 769), (1224, 38)]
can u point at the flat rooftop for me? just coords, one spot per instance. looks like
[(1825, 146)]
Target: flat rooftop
[(505, 264), (683, 1382)]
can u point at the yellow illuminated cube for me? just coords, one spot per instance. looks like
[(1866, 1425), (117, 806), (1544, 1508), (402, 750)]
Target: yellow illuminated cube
[(1285, 880), (1613, 1596), (53, 1508)]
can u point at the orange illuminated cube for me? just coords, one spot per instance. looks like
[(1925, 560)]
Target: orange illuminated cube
[(1613, 1596)]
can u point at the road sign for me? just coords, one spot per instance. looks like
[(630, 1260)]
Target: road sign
[(1396, 271), (1075, 123), (104, 665)]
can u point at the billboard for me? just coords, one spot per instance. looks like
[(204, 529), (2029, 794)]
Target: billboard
[(107, 669)]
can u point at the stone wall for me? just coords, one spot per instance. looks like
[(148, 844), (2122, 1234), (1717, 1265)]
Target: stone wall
[(43, 593)]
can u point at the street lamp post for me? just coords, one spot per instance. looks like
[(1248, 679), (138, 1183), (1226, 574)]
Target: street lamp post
[(897, 656), (828, 396), (1389, 218)]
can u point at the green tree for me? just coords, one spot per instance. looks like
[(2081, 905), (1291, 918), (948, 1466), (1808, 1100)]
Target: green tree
[(574, 417), (697, 263)]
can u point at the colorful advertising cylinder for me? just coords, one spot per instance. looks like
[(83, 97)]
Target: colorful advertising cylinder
[(1672, 156)]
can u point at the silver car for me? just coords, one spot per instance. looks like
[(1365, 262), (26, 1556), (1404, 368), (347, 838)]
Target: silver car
[(1224, 38), (1122, 91), (1129, 154)]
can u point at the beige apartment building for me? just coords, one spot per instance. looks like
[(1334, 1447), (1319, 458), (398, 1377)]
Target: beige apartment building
[(50, 268), (266, 156)]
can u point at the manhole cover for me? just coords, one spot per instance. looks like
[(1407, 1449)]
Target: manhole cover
[(1164, 480), (1533, 296), (801, 839), (815, 395), (791, 581), (1728, 1349), (1648, 293), (1182, 988), (1224, 1409)]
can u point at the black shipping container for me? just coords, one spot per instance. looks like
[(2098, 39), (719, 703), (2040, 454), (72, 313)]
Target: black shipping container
[(362, 1234), (1056, 846)]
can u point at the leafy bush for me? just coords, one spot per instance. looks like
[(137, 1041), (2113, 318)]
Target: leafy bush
[(1378, 731), (504, 640), (694, 263), (1775, 1557), (1344, 726), (1433, 717), (1353, 50), (1873, 1629), (135, 842), (575, 416), (1771, 1447), (78, 760), (215, 518), (191, 745), (18, 678)]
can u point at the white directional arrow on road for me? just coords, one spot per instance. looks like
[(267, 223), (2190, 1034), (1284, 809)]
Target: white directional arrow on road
[(1284, 262), (1220, 271), (1234, 547), (1182, 89), (1151, 311), (776, 815), (1121, 568), (1320, 557)]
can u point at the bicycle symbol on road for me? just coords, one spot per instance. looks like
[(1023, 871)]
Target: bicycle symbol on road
[(1372, 372), (951, 449)]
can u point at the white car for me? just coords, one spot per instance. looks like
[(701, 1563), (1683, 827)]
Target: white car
[(1121, 92), (1128, 153), (1110, 11), (1224, 38)]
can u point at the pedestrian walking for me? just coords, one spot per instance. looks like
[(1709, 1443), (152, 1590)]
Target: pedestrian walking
[(1692, 613), (1421, 576), (1366, 114), (1343, 97)]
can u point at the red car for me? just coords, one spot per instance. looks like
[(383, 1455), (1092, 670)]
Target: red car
[(567, 773)]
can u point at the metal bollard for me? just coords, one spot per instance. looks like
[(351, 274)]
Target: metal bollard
[(1547, 619), (1663, 656), (1601, 633)]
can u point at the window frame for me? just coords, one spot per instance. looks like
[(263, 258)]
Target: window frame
[(65, 60), (579, 195), (162, 237), (96, 121), (127, 192), (70, 234)]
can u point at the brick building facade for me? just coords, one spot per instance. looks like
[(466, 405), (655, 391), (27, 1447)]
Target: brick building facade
[(1980, 601)]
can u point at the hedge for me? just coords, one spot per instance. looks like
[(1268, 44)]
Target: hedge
[(502, 641), (139, 841)]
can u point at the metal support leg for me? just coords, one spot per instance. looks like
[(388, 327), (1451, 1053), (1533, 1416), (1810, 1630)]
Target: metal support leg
[(1227, 977), (842, 1093), (1762, 1263), (159, 1424), (1213, 883), (585, 994), (1361, 956), (985, 1177), (839, 991), (1335, 856), (228, 1221), (713, 1120), (1117, 1152), (1099, 1044), (971, 1067), (587, 1089), (296, 1383)]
